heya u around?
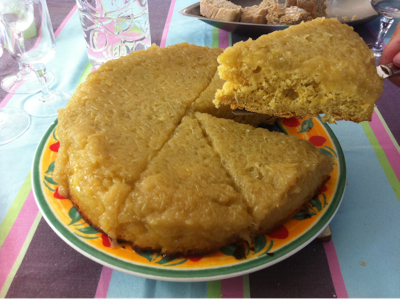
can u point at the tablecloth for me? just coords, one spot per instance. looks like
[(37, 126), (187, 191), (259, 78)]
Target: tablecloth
[(361, 260)]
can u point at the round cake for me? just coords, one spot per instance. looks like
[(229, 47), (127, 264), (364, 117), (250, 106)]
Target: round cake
[(146, 158)]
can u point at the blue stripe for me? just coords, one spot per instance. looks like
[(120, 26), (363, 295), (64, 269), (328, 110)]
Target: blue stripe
[(362, 231), (188, 29), (128, 286)]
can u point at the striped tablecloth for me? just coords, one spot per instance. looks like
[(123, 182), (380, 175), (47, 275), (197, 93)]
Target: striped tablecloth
[(361, 260)]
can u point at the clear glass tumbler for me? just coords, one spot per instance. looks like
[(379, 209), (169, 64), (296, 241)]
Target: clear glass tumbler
[(114, 28)]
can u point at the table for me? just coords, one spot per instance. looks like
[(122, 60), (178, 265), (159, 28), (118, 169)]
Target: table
[(361, 260)]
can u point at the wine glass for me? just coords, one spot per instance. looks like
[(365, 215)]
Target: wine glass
[(13, 121), (16, 17), (25, 80), (389, 9)]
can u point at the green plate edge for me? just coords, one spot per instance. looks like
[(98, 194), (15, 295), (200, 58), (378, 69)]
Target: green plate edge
[(186, 275)]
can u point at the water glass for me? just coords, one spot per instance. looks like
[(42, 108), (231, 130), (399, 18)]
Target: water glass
[(114, 28)]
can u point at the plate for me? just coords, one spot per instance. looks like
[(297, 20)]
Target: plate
[(265, 251), (344, 8)]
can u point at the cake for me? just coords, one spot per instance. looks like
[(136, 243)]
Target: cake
[(257, 14), (204, 104), (266, 12), (143, 165), (276, 173), (317, 67), (220, 10)]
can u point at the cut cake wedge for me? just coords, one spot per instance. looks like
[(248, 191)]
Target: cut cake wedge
[(185, 202), (276, 173), (317, 67)]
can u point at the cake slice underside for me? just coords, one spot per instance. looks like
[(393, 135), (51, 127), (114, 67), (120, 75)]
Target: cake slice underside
[(317, 67), (276, 173), (204, 104)]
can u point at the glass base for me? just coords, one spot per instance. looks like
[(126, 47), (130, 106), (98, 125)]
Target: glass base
[(13, 123), (36, 106), (24, 83)]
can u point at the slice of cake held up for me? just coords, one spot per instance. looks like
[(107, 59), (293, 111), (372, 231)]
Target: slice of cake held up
[(317, 67), (204, 104), (276, 173)]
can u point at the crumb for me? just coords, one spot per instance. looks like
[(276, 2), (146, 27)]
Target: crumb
[(345, 19), (363, 264), (334, 295), (354, 18)]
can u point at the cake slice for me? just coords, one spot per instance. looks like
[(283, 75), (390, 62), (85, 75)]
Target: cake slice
[(317, 67), (220, 10), (276, 173), (185, 202), (257, 13), (204, 104)]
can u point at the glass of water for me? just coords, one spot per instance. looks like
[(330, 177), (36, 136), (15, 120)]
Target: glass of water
[(114, 28), (389, 9), (16, 17)]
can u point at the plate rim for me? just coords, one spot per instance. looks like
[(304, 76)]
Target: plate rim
[(189, 275)]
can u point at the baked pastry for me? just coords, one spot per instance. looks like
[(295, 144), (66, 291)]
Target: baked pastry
[(295, 15), (185, 201), (287, 15), (142, 165), (317, 67), (276, 173), (204, 104), (257, 13), (317, 8), (220, 10)]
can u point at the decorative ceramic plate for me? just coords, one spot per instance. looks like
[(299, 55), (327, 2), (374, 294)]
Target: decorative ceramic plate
[(266, 250), (344, 10)]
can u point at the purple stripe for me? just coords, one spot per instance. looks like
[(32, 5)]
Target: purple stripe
[(167, 24), (62, 25), (16, 237), (52, 269), (336, 273), (223, 39), (232, 288)]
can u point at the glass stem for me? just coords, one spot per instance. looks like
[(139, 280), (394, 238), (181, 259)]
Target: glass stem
[(40, 71), (384, 27)]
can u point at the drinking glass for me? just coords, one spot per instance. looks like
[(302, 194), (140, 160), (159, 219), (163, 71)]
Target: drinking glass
[(114, 28), (13, 121), (16, 17), (389, 9), (24, 81)]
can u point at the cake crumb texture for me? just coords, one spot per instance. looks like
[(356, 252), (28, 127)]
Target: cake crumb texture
[(317, 67)]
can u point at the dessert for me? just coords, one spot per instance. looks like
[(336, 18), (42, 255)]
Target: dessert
[(143, 165), (276, 173), (204, 103), (317, 67), (268, 11), (220, 10)]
